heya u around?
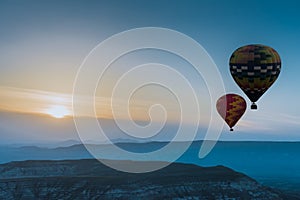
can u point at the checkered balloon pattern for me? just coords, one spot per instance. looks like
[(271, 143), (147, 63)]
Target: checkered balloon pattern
[(255, 68)]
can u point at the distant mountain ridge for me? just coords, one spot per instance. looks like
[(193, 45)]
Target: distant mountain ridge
[(89, 179)]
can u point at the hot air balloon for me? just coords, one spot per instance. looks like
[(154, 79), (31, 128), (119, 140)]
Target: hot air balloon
[(231, 107), (255, 68)]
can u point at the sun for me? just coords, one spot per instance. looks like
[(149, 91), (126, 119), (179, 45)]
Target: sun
[(58, 111)]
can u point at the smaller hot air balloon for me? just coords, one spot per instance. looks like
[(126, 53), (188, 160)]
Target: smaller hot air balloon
[(231, 107)]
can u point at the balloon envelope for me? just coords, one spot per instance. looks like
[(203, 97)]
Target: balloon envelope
[(255, 68), (231, 107)]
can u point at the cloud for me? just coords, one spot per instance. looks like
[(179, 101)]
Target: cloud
[(31, 101), (271, 122), (38, 101)]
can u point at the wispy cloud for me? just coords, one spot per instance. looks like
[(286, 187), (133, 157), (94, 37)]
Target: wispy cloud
[(268, 122), (32, 101), (37, 101)]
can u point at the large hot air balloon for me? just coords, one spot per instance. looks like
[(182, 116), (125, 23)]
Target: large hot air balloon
[(255, 68), (231, 107)]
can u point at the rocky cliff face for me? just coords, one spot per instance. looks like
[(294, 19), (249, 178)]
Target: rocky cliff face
[(89, 179)]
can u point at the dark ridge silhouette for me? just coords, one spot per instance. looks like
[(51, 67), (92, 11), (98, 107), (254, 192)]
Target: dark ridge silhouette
[(89, 179)]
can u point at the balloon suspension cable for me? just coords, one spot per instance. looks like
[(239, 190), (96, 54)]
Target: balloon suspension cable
[(253, 106), (231, 129)]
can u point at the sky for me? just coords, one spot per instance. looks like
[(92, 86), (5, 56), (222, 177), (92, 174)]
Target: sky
[(43, 43)]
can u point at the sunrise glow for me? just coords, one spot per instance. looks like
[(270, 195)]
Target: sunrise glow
[(58, 111)]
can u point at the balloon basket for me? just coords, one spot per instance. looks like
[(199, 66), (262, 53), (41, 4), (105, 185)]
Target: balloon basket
[(253, 106)]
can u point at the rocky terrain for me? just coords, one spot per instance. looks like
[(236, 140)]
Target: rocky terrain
[(89, 179)]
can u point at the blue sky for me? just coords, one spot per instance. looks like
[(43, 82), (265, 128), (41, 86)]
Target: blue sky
[(42, 44)]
